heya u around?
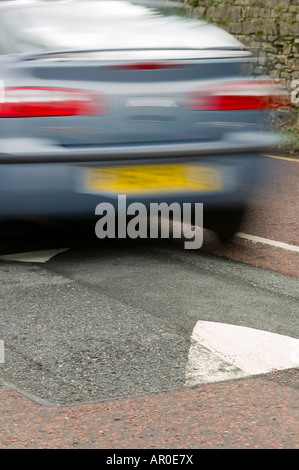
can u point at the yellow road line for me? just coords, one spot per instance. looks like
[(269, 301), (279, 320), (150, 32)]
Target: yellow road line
[(282, 158)]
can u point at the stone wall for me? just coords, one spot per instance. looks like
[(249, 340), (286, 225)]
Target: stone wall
[(272, 27)]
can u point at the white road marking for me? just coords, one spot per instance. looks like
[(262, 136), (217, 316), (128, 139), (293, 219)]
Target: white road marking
[(33, 256), (221, 352), (267, 241)]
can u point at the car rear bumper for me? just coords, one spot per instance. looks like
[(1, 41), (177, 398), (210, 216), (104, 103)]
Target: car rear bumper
[(26, 150), (58, 189)]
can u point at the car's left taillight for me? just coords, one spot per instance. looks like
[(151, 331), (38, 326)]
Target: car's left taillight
[(30, 102)]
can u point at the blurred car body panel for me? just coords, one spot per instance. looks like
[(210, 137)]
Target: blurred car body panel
[(122, 90)]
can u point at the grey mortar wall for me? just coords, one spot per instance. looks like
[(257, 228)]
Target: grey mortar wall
[(271, 27)]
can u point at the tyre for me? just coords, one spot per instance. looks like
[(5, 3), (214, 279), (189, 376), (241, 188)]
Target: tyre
[(225, 223)]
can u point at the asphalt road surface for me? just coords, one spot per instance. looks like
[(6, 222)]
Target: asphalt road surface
[(143, 344)]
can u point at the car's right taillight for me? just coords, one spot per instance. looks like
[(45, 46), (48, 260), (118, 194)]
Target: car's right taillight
[(28, 102), (240, 96)]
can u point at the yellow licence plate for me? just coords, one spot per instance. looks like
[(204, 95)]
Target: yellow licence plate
[(154, 179)]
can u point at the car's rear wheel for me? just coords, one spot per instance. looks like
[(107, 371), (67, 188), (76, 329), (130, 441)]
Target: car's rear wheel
[(225, 223)]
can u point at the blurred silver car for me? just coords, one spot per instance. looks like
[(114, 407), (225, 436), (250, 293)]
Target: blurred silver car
[(100, 98)]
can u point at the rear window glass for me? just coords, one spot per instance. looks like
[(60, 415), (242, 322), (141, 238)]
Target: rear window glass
[(79, 25)]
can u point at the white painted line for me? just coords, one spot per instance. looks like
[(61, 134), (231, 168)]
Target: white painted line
[(221, 352), (33, 256), (267, 241), (204, 366)]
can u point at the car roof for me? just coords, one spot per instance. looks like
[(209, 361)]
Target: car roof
[(119, 22)]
